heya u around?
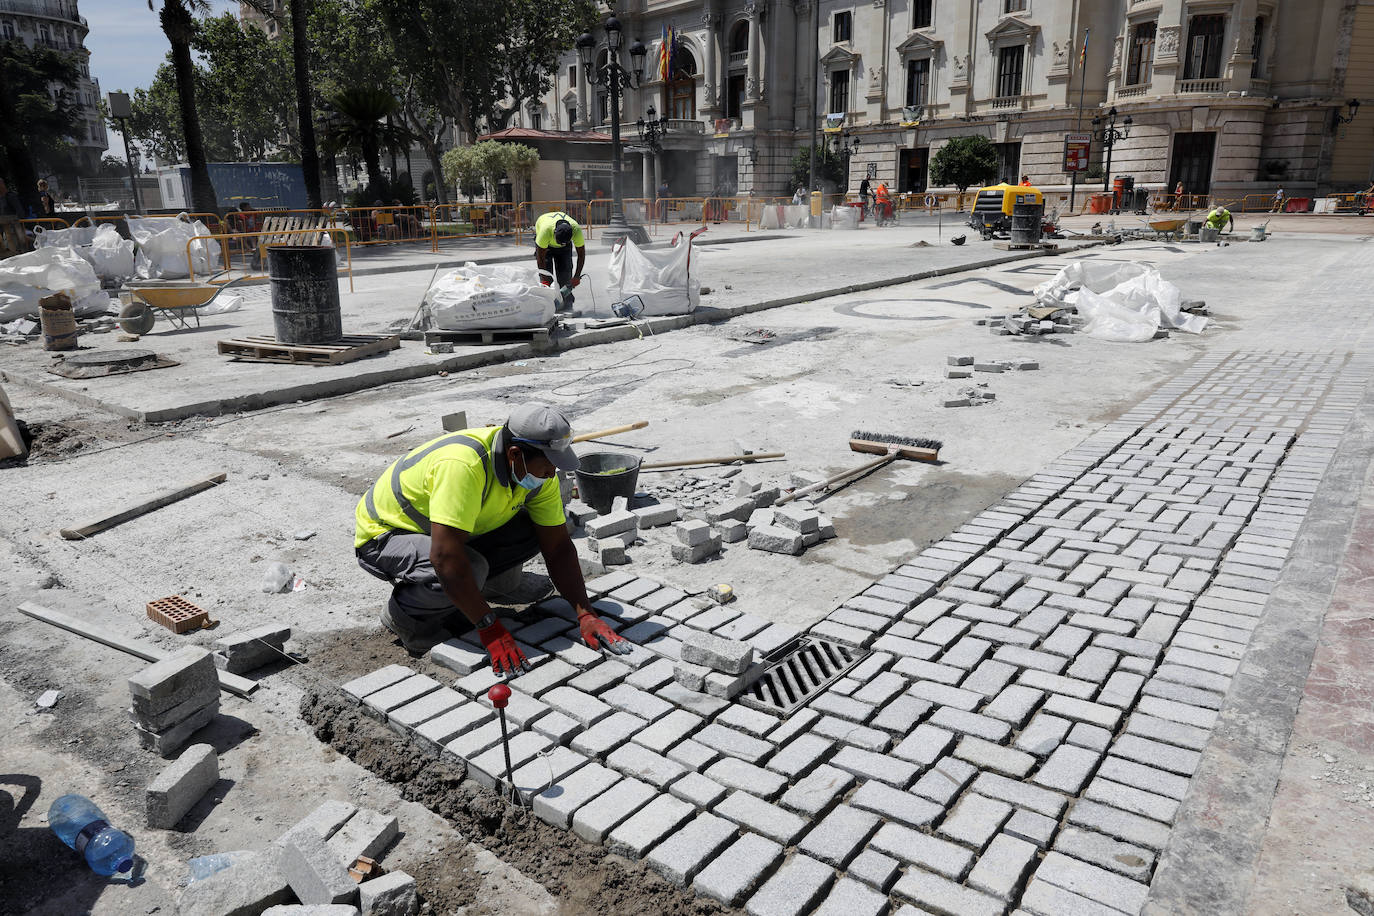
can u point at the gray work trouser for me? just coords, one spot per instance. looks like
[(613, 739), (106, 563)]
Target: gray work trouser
[(402, 558)]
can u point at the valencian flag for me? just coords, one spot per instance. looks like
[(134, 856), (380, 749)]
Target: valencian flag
[(1083, 55), (666, 51)]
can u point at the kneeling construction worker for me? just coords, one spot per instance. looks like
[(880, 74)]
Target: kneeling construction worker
[(454, 521), (1221, 219), (555, 236)]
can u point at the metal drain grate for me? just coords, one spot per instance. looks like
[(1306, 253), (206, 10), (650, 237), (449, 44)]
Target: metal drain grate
[(797, 672)]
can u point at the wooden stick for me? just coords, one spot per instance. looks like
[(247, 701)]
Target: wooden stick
[(836, 478), (132, 512), (233, 683), (613, 431), (727, 459)]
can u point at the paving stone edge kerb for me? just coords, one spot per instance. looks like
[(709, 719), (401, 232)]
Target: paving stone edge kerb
[(586, 338), (1210, 861)]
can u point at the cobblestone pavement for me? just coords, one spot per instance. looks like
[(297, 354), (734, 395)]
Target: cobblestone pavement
[(1036, 695)]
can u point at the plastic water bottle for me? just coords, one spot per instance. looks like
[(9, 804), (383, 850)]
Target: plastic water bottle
[(82, 826)]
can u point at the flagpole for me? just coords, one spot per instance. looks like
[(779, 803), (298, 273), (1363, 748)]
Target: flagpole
[(1078, 121)]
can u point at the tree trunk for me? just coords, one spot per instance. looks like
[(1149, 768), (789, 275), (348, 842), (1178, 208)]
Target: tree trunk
[(180, 29), (372, 155), (305, 115), (22, 170), (432, 151)]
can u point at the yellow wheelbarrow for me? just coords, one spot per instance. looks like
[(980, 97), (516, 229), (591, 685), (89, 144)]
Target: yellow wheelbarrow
[(1168, 228), (178, 301)]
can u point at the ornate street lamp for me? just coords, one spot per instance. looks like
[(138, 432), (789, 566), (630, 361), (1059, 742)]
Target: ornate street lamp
[(844, 150), (615, 77), (652, 130), (1109, 136)]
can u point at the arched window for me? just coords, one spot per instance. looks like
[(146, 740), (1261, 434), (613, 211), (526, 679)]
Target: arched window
[(680, 94), (739, 39), (735, 78)]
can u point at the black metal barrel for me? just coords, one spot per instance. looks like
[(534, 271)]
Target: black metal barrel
[(1025, 223), (305, 294)]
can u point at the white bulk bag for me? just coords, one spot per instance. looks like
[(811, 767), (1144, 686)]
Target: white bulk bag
[(660, 277), (489, 297)]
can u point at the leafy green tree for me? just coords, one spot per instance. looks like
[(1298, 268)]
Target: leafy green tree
[(31, 120), (362, 124), (249, 85), (521, 161), (463, 170), (469, 57), (964, 162), (180, 28), (829, 165)]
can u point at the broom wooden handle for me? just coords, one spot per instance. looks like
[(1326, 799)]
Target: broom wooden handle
[(613, 431), (836, 478), (726, 459)]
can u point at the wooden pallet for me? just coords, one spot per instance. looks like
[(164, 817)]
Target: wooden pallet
[(263, 349), (488, 336)]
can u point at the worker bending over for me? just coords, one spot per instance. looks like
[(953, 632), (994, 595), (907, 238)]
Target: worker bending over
[(1221, 220), (555, 236), (454, 521)]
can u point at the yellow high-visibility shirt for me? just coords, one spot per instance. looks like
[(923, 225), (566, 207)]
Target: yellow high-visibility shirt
[(449, 482), (543, 231)]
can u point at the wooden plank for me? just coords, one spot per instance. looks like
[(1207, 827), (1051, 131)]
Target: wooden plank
[(266, 349), (79, 532), (235, 684)]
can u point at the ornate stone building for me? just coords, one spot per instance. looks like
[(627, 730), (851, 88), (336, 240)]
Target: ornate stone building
[(1230, 97), (57, 24)]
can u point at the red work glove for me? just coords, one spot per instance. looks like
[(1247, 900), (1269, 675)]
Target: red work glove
[(596, 634), (545, 281), (506, 657), (575, 281)]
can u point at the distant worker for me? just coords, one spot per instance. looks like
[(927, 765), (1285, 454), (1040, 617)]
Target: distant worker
[(799, 197), (1025, 181), (865, 194), (882, 203), (1221, 220), (555, 236), (47, 207), (453, 523), (1278, 201)]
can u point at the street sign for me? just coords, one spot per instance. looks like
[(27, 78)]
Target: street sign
[(1077, 149)]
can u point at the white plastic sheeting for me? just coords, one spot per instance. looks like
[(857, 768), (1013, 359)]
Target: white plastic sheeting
[(162, 247), (785, 216), (489, 296), (660, 277), (27, 278), (1119, 301)]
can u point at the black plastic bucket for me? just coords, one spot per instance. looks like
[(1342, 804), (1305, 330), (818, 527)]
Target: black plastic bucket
[(305, 293), (1025, 223), (602, 476)]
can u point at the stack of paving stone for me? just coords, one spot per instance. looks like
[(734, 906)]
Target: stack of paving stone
[(789, 530), (248, 650), (715, 665), (174, 698), (310, 863)]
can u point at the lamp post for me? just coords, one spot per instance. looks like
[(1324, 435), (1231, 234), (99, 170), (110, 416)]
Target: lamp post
[(121, 109), (844, 150), (616, 78), (1110, 136), (651, 133)]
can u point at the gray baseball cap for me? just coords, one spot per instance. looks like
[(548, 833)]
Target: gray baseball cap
[(546, 429)]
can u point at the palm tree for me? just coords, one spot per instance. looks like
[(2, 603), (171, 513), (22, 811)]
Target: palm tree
[(361, 124), (180, 28)]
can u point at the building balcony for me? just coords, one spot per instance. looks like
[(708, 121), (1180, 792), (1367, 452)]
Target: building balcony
[(1132, 92), (1198, 87), (738, 58), (684, 126), (58, 44), (1011, 102), (48, 9)]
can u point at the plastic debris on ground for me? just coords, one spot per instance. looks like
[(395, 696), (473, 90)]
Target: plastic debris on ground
[(1119, 301), (162, 247)]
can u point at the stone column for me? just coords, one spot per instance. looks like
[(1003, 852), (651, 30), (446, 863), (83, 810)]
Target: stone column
[(1242, 60), (710, 79), (583, 109), (754, 8)]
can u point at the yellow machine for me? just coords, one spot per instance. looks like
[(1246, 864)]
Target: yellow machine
[(994, 205)]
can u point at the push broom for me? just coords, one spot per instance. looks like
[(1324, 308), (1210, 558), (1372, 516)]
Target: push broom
[(890, 447)]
